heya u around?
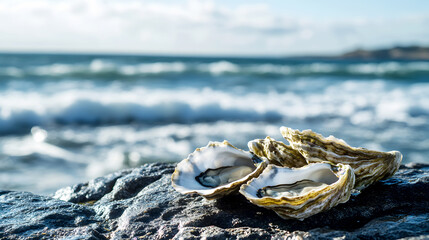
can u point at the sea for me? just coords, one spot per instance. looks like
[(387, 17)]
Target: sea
[(68, 118)]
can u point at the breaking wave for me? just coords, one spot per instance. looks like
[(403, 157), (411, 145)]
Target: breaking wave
[(105, 69), (344, 100)]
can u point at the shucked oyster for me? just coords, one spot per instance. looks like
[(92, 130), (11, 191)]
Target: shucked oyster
[(369, 166), (300, 192), (216, 170), (277, 152)]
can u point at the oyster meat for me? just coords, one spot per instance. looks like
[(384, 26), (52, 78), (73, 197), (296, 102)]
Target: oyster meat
[(290, 190), (276, 152), (223, 175), (216, 170), (369, 166), (300, 192)]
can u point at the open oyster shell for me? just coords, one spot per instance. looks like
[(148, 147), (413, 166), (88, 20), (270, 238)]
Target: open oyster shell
[(276, 152), (300, 192), (369, 166), (216, 170)]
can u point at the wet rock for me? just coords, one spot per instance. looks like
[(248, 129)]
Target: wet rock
[(141, 203), (24, 215)]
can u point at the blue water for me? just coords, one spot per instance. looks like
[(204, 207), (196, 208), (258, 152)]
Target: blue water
[(67, 118)]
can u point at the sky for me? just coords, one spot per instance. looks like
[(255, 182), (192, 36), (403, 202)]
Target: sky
[(206, 27)]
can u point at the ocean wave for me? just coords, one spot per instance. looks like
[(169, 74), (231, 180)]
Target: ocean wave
[(353, 101), (106, 69), (113, 107)]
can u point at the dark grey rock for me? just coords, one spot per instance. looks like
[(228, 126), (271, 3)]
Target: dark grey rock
[(24, 215), (141, 203)]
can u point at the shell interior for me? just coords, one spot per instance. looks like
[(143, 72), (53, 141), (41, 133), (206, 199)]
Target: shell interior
[(300, 192), (295, 189), (279, 182), (215, 170)]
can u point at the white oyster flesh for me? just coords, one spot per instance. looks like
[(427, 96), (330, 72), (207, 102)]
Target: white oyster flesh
[(295, 189), (224, 175)]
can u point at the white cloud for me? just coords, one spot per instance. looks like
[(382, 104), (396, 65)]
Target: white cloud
[(190, 27)]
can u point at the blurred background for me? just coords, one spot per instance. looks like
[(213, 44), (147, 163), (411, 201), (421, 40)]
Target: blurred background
[(88, 87)]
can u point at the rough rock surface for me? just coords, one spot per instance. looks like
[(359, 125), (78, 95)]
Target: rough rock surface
[(141, 204)]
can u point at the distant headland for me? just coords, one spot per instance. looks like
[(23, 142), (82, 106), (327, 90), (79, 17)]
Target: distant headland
[(394, 53)]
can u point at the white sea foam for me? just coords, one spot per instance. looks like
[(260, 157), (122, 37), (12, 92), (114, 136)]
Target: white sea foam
[(102, 66), (388, 68), (221, 67), (57, 69), (11, 71), (153, 68), (362, 102)]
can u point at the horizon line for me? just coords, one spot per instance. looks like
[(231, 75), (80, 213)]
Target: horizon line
[(196, 55), (160, 54)]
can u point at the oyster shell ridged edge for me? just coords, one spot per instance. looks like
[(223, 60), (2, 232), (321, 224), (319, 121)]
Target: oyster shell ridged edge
[(369, 165), (276, 152)]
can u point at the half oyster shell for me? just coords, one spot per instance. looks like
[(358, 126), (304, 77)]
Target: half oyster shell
[(300, 192), (216, 170), (368, 165), (276, 152)]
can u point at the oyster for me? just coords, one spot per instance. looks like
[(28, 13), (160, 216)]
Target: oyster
[(216, 170), (369, 166), (300, 192), (276, 152)]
